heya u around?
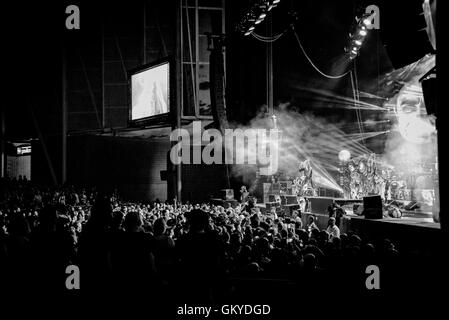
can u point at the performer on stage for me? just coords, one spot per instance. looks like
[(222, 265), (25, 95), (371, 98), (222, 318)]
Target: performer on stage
[(244, 194), (303, 184)]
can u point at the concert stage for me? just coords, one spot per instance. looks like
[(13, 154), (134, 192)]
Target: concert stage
[(414, 231), (409, 233)]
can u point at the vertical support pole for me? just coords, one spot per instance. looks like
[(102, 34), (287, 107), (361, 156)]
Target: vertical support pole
[(144, 32), (44, 146), (2, 144), (270, 104), (179, 95), (103, 107), (197, 60), (442, 128), (64, 115)]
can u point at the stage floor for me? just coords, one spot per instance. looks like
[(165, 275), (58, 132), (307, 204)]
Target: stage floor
[(419, 221)]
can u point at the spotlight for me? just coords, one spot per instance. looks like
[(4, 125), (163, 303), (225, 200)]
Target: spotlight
[(344, 155), (367, 22), (362, 33), (358, 42), (255, 15)]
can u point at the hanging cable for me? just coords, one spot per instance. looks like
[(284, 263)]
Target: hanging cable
[(268, 39), (358, 101), (311, 62), (355, 102), (264, 40), (357, 93), (356, 98)]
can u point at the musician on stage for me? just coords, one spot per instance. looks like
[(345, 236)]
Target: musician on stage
[(303, 184)]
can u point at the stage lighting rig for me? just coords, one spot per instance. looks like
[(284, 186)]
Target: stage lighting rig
[(358, 33), (255, 15)]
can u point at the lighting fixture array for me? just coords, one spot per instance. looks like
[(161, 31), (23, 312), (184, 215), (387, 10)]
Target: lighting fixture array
[(358, 34), (255, 15)]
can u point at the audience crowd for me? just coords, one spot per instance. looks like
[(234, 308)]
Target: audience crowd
[(180, 250)]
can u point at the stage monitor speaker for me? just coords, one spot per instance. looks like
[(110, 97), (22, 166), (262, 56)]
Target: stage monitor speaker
[(372, 207), (227, 194), (289, 199), (320, 204), (289, 208)]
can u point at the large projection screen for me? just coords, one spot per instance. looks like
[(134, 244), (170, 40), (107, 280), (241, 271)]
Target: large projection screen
[(150, 92)]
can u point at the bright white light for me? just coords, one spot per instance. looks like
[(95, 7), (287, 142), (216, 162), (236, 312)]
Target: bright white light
[(344, 155), (367, 22), (413, 123), (262, 16), (414, 128), (358, 42), (362, 32)]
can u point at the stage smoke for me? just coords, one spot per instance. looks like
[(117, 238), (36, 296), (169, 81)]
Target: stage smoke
[(304, 136)]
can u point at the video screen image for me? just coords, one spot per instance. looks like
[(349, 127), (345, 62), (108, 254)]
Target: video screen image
[(150, 92)]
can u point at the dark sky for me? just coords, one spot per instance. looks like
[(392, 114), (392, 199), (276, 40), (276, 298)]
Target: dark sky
[(35, 32)]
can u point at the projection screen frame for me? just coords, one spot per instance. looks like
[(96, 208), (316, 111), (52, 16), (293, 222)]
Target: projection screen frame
[(158, 118)]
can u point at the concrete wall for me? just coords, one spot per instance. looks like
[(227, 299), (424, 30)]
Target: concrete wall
[(19, 166), (131, 165)]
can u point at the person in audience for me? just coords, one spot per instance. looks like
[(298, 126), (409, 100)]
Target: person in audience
[(131, 256), (332, 229), (311, 224), (164, 248)]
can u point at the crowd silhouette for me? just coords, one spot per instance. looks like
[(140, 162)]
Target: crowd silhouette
[(175, 252)]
